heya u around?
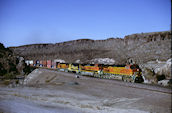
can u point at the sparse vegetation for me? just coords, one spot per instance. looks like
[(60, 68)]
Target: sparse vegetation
[(8, 63), (141, 48), (11, 65), (6, 82), (28, 69)]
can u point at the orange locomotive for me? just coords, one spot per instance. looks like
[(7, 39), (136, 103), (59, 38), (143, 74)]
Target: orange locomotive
[(131, 73), (89, 69), (62, 66)]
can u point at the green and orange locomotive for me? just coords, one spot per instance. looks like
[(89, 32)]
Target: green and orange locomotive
[(129, 73)]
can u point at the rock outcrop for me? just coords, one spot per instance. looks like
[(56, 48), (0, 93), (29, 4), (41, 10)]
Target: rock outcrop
[(141, 48), (155, 71), (164, 70)]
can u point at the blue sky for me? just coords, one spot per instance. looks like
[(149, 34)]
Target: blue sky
[(52, 21)]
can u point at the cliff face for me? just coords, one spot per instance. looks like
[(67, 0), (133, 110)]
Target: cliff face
[(141, 48)]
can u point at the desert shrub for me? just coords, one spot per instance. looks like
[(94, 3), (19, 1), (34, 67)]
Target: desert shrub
[(160, 77), (17, 81), (2, 70), (7, 49), (6, 82), (13, 68), (10, 75), (2, 46), (17, 60), (28, 69), (1, 56)]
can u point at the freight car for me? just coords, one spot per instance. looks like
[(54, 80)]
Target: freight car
[(41, 63), (49, 64), (44, 63), (54, 64)]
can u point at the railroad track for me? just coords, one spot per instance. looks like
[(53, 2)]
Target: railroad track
[(144, 86), (148, 87)]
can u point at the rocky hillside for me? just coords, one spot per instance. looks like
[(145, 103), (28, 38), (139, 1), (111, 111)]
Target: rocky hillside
[(7, 62), (11, 65), (140, 48)]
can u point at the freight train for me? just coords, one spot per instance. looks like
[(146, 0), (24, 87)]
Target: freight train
[(128, 73)]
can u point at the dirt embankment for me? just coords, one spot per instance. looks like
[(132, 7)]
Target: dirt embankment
[(46, 89)]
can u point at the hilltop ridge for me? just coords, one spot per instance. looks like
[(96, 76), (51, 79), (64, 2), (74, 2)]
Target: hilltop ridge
[(142, 47)]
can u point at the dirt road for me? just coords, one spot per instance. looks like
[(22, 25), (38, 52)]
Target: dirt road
[(52, 91)]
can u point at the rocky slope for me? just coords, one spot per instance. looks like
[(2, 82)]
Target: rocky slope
[(8, 62), (11, 65), (141, 48)]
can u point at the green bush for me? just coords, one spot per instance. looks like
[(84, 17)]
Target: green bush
[(2, 70)]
